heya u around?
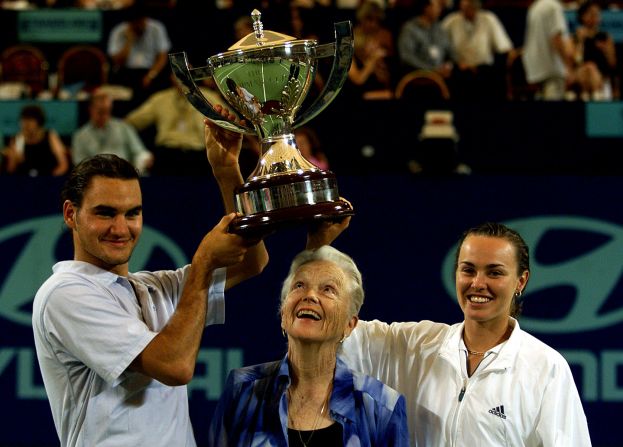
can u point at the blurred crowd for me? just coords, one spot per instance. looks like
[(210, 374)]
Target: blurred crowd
[(424, 50)]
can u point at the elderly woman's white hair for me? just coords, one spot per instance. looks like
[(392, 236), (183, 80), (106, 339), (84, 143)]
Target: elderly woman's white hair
[(342, 260)]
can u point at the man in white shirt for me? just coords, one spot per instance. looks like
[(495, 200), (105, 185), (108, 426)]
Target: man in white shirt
[(116, 349), (105, 134), (477, 37), (548, 49)]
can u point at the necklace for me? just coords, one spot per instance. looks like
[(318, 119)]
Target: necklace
[(481, 354), (316, 419)]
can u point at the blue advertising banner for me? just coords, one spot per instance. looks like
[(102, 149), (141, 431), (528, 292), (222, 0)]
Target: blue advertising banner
[(61, 116), (66, 25), (403, 239), (610, 22)]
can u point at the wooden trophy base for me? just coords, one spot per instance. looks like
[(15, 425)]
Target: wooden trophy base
[(270, 203)]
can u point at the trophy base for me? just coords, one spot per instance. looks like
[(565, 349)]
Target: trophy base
[(263, 224), (271, 202)]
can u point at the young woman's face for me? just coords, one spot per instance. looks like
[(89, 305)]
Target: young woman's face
[(29, 126), (487, 278), (592, 17)]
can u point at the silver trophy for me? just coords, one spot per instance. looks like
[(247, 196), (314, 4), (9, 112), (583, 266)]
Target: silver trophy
[(265, 77)]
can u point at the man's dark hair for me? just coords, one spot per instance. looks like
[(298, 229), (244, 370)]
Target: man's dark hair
[(104, 165), (420, 5)]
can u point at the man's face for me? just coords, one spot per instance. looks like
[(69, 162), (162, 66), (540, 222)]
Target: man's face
[(434, 10), (101, 111), (138, 26), (468, 8), (107, 225)]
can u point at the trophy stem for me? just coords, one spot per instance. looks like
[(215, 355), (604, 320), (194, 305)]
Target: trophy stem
[(280, 155)]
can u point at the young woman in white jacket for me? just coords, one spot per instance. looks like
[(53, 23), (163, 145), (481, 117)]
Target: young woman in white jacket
[(484, 381)]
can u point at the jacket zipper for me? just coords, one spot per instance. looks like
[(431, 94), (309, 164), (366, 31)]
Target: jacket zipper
[(457, 410)]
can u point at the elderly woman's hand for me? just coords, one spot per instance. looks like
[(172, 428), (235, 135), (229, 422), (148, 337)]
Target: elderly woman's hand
[(324, 232)]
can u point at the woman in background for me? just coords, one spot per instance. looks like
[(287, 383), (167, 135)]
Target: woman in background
[(35, 150)]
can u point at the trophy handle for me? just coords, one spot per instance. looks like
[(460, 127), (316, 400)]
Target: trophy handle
[(342, 50), (185, 77)]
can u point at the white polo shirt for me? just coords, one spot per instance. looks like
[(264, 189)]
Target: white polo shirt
[(89, 325)]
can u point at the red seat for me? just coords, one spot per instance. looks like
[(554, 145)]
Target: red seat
[(83, 64), (422, 85), (25, 64)]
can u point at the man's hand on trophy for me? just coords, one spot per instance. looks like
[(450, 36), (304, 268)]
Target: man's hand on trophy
[(223, 146)]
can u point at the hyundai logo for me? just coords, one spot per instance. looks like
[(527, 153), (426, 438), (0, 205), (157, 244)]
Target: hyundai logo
[(33, 263)]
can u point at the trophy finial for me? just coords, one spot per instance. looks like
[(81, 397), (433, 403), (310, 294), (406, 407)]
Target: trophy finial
[(258, 27)]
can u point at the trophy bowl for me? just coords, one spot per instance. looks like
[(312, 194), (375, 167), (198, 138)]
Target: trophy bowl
[(265, 77)]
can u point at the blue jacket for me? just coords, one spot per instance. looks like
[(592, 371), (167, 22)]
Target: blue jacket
[(253, 409)]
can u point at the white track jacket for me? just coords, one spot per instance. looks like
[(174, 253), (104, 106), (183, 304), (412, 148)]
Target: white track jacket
[(522, 394)]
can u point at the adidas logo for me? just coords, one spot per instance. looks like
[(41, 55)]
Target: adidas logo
[(498, 411)]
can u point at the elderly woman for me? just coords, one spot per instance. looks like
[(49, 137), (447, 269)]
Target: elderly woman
[(310, 397)]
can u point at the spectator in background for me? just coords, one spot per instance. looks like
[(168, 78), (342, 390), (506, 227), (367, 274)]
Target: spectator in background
[(35, 150), (477, 36), (371, 69), (243, 26), (3, 150), (423, 43), (548, 49), (595, 55), (105, 134), (179, 140), (103, 4), (138, 48), (309, 145)]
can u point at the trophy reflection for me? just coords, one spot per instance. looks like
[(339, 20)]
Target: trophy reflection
[(265, 77)]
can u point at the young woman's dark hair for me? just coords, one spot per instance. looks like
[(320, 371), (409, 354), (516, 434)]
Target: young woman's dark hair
[(33, 112)]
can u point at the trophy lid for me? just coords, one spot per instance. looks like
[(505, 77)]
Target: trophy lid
[(260, 38)]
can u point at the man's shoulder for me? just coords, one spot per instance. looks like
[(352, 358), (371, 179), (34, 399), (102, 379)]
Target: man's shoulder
[(66, 275), (451, 19), (411, 24), (165, 95), (547, 6), (83, 130), (118, 29), (155, 23)]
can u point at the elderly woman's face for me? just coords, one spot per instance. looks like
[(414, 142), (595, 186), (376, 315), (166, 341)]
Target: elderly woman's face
[(317, 307)]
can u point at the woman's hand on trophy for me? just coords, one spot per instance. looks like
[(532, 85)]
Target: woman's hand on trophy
[(223, 146), (324, 232)]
